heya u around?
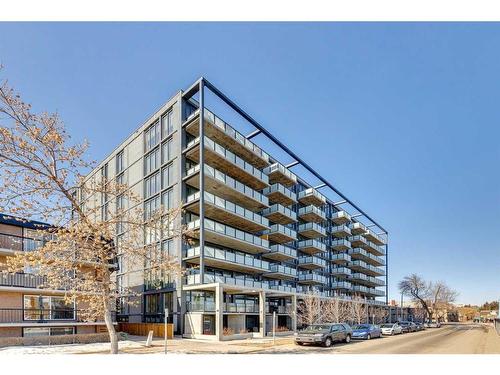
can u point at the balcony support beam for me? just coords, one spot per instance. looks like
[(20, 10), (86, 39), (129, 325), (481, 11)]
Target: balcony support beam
[(202, 180), (262, 314), (253, 134), (219, 311), (292, 164), (294, 313), (320, 186)]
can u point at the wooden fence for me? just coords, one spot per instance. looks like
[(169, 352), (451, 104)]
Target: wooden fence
[(142, 329)]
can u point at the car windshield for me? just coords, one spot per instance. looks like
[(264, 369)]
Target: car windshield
[(361, 326), (317, 328), (386, 325)]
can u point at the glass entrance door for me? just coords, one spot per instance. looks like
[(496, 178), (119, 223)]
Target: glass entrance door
[(209, 324)]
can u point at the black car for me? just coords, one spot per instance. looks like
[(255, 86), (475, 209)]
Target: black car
[(407, 327), (324, 334)]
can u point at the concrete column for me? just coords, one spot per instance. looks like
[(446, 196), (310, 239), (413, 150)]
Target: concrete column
[(294, 313), (262, 314), (219, 311)]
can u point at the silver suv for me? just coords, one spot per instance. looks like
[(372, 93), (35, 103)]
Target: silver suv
[(324, 334)]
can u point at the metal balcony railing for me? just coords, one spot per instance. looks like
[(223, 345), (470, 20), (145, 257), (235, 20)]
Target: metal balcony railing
[(23, 315)]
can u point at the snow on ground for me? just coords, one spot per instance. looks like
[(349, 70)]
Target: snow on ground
[(67, 349)]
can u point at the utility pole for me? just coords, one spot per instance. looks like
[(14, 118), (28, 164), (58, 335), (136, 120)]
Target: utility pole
[(274, 327), (166, 324)]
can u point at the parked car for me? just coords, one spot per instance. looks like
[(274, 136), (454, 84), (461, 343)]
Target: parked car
[(433, 324), (391, 329), (324, 334), (406, 327), (366, 331), (413, 327), (420, 326)]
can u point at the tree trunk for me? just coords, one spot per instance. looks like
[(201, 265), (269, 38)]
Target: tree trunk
[(113, 337)]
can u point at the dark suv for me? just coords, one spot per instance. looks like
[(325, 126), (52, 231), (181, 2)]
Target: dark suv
[(324, 334)]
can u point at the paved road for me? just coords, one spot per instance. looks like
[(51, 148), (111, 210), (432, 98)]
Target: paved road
[(449, 339)]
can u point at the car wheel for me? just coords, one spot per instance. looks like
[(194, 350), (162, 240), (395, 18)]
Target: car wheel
[(369, 337), (348, 339), (299, 343), (328, 342)]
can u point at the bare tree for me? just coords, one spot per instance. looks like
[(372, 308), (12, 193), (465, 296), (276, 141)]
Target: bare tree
[(379, 314), (309, 309), (358, 309), (431, 296), (335, 310), (42, 178)]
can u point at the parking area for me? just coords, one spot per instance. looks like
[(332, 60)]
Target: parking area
[(449, 339)]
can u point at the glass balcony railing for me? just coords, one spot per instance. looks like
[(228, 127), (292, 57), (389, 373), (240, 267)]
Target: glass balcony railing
[(311, 196), (367, 279), (278, 230), (341, 244), (311, 245), (288, 195), (241, 307), (230, 207), (232, 133), (275, 285), (341, 231), (311, 230), (231, 232), (340, 258), (311, 261), (278, 173), (367, 267), (194, 279), (232, 158), (373, 237), (231, 183), (366, 256), (281, 210), (357, 228), (358, 241), (340, 217), (378, 250), (281, 269), (312, 213), (285, 251), (228, 256), (341, 271), (342, 285), (312, 277)]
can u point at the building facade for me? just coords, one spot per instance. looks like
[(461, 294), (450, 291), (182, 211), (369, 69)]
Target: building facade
[(262, 235), (26, 310)]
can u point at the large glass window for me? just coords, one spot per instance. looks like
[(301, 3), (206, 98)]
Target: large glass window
[(167, 176), (166, 151), (152, 185), (47, 308), (120, 162), (151, 206), (167, 123), (167, 199), (152, 136), (152, 161), (45, 331)]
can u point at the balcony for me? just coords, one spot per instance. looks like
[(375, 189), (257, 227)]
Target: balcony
[(279, 174), (311, 246), (362, 254), (225, 186), (228, 260), (278, 271), (48, 316), (229, 237), (361, 278), (275, 285), (10, 243), (341, 272), (341, 231), (277, 193), (21, 280), (373, 237), (359, 265), (340, 217), (281, 253), (312, 289), (375, 249), (311, 262), (280, 234), (310, 277), (341, 245), (194, 279), (368, 291), (346, 285), (312, 214), (340, 258), (280, 214), (225, 211), (311, 230), (228, 137), (241, 307), (222, 159), (358, 241), (311, 196), (360, 288), (357, 228)]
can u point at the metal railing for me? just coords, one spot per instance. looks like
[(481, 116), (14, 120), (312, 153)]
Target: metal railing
[(228, 256), (285, 250), (311, 192), (278, 188), (311, 243), (312, 260), (312, 227), (281, 209), (277, 167), (281, 229), (22, 315), (312, 209)]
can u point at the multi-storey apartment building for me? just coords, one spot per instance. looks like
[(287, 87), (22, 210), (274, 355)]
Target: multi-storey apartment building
[(262, 235), (26, 310)]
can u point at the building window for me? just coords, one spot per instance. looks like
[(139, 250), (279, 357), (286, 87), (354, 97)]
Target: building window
[(46, 331), (167, 124), (152, 185), (151, 206), (48, 308), (166, 151), (151, 161), (167, 176), (120, 162), (152, 136), (166, 199)]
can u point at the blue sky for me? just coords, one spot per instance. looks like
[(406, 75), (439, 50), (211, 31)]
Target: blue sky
[(402, 118)]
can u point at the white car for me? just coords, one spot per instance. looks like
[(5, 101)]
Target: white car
[(391, 329)]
